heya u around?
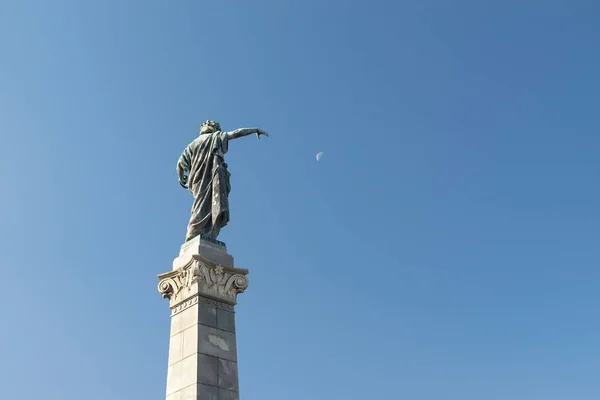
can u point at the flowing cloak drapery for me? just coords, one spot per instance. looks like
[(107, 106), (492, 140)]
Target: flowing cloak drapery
[(208, 180)]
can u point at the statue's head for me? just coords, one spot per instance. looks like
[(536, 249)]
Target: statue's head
[(209, 127)]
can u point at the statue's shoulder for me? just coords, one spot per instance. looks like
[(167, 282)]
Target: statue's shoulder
[(204, 137), (198, 140), (216, 135)]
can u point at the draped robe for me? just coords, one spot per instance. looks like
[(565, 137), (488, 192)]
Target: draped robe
[(208, 180)]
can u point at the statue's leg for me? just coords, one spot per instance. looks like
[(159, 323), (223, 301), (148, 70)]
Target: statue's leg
[(195, 229), (200, 220), (214, 232)]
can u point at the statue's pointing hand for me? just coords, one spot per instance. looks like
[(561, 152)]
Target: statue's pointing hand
[(261, 132)]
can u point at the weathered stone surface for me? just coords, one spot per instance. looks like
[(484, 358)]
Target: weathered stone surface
[(208, 368), (226, 320), (214, 252), (174, 378), (228, 395), (189, 368), (216, 343), (205, 278), (228, 375), (202, 363), (175, 396), (190, 341), (198, 369), (206, 392), (190, 393), (207, 315), (175, 346)]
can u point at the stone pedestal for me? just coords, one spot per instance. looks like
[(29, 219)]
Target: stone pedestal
[(202, 290)]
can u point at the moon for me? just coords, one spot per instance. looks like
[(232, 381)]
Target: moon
[(319, 155)]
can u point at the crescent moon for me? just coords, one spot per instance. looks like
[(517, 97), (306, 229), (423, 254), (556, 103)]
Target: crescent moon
[(319, 155)]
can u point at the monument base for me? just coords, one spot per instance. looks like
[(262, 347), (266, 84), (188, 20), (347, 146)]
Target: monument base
[(202, 290), (212, 249)]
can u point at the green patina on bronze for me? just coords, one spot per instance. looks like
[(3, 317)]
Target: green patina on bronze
[(203, 171), (211, 240)]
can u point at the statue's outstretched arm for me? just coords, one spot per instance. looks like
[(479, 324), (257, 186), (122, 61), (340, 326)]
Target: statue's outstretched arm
[(245, 132)]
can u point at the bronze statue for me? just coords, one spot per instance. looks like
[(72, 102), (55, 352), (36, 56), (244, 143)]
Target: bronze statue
[(202, 170)]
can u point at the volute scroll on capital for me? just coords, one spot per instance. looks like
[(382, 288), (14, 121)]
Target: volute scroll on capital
[(213, 281)]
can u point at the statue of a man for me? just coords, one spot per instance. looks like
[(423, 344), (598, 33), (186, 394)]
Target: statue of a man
[(202, 170)]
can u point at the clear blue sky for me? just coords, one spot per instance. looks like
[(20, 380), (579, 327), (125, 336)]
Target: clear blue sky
[(446, 246)]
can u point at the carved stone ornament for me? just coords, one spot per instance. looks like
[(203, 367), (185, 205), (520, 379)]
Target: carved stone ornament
[(205, 278)]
